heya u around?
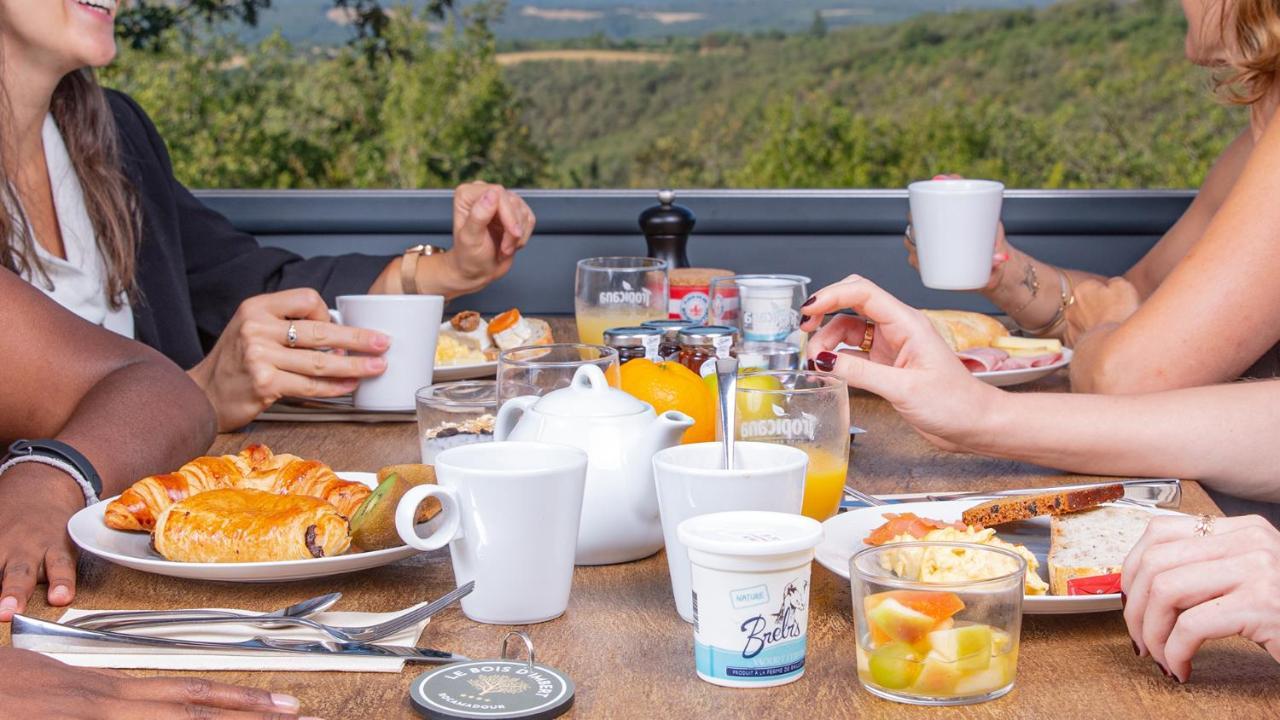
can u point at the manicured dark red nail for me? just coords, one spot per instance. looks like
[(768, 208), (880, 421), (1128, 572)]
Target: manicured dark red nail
[(1136, 651), (826, 361), (1166, 672), (812, 299), (1185, 680), (810, 365), (1123, 599)]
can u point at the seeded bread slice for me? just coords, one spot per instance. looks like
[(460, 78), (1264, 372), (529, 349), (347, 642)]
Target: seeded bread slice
[(1091, 543), (1024, 507)]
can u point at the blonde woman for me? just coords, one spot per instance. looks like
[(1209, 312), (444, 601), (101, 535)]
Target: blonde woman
[(1199, 308), (92, 214)]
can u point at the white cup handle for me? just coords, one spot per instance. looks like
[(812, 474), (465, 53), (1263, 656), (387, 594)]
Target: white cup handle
[(335, 316), (408, 509), (510, 413)]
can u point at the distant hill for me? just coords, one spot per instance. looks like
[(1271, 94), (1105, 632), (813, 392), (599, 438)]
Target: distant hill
[(312, 22)]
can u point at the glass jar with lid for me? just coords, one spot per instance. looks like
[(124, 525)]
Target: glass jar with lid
[(670, 346), (634, 343), (452, 414), (705, 342)]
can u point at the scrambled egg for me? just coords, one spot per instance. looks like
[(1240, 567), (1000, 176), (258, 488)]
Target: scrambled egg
[(452, 351), (958, 565)]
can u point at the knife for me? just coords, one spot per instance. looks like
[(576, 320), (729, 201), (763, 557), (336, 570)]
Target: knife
[(30, 633), (1160, 492)]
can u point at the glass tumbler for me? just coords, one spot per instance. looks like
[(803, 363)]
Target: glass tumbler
[(766, 311), (612, 292), (807, 410), (539, 369), (452, 414), (937, 643)]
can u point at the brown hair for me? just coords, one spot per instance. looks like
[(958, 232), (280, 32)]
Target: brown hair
[(80, 108), (1255, 63)]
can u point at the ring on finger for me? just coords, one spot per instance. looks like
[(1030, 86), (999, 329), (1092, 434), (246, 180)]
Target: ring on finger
[(292, 334), (910, 233), (1204, 525), (868, 337)]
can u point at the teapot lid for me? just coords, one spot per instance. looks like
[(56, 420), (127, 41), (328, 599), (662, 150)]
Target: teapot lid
[(590, 395)]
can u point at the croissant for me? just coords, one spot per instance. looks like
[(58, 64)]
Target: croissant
[(255, 467), (244, 525)]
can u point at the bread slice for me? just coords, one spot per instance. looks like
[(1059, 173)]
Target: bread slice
[(1090, 543), (1024, 507), (964, 330)]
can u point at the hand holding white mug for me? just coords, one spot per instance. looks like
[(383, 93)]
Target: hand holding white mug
[(274, 347)]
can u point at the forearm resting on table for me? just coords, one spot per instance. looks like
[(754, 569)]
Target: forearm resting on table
[(1223, 435)]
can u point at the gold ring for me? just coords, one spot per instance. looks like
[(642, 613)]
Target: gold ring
[(292, 335), (1204, 525), (868, 337)]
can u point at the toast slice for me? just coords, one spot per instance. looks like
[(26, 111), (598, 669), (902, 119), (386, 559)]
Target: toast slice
[(1091, 543), (1024, 507)]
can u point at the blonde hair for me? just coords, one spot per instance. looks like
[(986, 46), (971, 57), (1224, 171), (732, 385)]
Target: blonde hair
[(1255, 63)]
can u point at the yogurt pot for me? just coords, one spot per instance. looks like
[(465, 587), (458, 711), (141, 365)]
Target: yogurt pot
[(750, 580)]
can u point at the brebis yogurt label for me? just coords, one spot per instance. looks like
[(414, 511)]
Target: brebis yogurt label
[(750, 580)]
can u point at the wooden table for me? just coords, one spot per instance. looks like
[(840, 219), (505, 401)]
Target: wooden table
[(630, 654)]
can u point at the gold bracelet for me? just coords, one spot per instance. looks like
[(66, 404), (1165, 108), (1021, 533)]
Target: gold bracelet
[(1068, 299)]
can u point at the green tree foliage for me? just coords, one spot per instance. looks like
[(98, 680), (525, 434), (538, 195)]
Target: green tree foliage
[(434, 111)]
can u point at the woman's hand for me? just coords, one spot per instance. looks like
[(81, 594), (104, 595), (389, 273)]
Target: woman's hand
[(253, 366), (1100, 303), (490, 225), (35, 686), (36, 501), (999, 258), (909, 364), (1182, 589)]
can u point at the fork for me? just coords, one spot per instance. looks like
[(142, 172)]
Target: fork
[(357, 634)]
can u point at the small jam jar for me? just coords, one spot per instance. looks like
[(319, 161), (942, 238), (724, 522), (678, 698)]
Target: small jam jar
[(670, 346), (705, 342), (634, 343)]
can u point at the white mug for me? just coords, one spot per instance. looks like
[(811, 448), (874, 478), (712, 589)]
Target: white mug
[(413, 323), (510, 517), (691, 482), (954, 225)]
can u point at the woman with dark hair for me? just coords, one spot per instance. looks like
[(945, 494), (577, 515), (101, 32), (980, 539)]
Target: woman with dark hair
[(93, 215), (90, 412)]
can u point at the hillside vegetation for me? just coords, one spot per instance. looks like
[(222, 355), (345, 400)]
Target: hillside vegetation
[(1087, 93)]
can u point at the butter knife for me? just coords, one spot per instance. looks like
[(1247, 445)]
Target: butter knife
[(1161, 493), (30, 633)]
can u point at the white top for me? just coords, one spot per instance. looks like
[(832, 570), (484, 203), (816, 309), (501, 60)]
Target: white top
[(78, 283)]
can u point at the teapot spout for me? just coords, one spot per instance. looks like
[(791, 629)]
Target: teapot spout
[(665, 431)]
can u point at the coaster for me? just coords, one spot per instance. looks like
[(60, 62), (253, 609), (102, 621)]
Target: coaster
[(498, 689)]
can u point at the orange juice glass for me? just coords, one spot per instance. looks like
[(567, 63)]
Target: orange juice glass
[(806, 410)]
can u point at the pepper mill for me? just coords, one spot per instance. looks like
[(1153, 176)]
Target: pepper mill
[(666, 228)]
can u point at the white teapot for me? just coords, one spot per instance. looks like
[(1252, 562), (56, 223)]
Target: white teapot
[(620, 434)]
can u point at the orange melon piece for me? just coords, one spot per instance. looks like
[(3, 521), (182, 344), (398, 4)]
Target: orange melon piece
[(937, 606)]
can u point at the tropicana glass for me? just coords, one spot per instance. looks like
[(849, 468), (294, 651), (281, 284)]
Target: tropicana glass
[(766, 311), (539, 369), (928, 643), (615, 292), (806, 410)]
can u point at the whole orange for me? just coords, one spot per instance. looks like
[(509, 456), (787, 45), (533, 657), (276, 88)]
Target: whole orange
[(672, 386)]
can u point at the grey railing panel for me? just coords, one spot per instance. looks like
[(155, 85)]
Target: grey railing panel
[(823, 234)]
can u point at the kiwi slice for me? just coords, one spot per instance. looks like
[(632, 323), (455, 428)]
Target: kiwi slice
[(373, 524), (415, 475)]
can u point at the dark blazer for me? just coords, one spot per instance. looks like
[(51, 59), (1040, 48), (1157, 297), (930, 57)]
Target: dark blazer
[(194, 268)]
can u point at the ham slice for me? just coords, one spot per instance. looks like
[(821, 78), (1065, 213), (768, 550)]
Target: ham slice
[(982, 359), (993, 360)]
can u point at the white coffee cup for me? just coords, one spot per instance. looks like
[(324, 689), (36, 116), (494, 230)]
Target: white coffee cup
[(954, 225), (413, 323), (510, 517), (691, 482)]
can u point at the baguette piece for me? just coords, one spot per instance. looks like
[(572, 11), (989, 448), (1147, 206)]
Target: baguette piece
[(1091, 543), (963, 330), (1024, 507)]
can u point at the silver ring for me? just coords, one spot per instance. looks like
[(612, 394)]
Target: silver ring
[(910, 234), (1204, 525), (292, 334)]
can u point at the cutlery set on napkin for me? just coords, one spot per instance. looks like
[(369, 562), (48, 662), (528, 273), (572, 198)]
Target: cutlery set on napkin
[(303, 637)]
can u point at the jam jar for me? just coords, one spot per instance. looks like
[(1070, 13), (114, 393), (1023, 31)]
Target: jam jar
[(705, 342), (634, 343), (670, 346)]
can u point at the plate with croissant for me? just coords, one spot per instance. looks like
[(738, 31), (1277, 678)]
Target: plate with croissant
[(256, 516)]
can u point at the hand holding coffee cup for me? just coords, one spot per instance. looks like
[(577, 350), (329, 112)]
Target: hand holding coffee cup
[(510, 515), (413, 324), (954, 228)]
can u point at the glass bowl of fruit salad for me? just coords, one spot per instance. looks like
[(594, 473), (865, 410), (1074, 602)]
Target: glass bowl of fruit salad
[(950, 641)]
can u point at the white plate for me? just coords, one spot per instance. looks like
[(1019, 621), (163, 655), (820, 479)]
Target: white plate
[(1005, 378), (473, 371), (133, 550), (845, 532)]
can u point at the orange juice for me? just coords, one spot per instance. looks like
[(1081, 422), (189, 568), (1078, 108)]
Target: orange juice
[(592, 322), (823, 483)]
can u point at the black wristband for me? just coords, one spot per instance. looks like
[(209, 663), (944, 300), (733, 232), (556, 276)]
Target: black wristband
[(59, 451)]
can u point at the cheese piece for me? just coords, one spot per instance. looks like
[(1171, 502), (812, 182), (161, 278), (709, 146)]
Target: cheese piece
[(1036, 346)]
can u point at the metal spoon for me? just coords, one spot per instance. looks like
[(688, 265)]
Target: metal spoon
[(727, 382), (102, 620)]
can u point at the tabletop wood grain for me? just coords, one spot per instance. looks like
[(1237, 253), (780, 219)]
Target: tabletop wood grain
[(630, 654)]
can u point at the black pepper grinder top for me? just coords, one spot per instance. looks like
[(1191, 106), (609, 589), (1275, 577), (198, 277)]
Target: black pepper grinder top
[(666, 228)]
